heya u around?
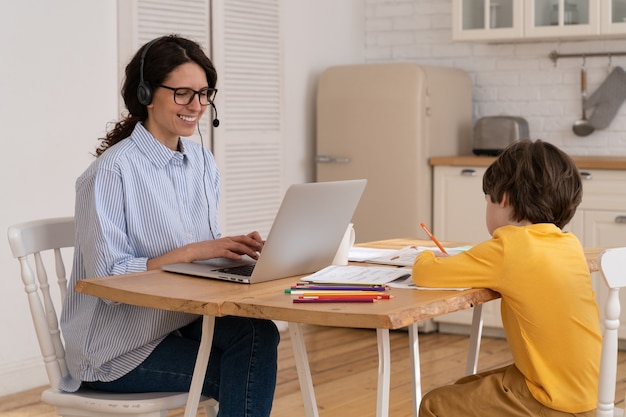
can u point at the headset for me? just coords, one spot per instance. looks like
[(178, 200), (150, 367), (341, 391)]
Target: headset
[(144, 91)]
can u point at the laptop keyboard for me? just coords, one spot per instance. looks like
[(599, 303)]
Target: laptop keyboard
[(244, 270)]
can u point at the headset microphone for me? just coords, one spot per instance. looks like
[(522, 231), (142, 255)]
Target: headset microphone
[(216, 121)]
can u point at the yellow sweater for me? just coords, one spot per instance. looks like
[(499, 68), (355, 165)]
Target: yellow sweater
[(548, 307)]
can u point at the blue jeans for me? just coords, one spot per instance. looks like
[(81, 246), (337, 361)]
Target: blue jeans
[(241, 373)]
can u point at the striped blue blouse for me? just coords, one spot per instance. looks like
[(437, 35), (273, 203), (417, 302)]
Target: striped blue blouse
[(137, 201)]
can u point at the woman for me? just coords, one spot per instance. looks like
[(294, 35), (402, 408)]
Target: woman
[(150, 199)]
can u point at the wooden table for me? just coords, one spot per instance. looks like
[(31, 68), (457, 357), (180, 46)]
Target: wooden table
[(213, 298)]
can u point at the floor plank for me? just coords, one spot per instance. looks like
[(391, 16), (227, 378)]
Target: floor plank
[(343, 365)]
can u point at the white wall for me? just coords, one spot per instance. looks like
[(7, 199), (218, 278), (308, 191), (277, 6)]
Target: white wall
[(59, 89), (318, 34), (510, 78)]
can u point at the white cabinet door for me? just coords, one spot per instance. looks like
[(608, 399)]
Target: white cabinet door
[(604, 228), (603, 190), (459, 204), (487, 19), (561, 19), (613, 17)]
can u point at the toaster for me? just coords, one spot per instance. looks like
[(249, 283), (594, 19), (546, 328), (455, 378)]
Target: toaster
[(494, 133)]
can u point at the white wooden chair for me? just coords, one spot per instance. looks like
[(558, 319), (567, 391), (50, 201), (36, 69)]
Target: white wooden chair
[(613, 269), (28, 242)]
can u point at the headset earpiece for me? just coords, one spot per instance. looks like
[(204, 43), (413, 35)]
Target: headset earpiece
[(144, 91)]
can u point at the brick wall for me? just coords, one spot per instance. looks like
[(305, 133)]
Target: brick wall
[(509, 79)]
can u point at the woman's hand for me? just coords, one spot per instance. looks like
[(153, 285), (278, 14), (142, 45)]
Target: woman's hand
[(232, 247)]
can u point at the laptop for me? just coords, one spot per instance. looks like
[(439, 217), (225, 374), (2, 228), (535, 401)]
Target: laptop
[(304, 237)]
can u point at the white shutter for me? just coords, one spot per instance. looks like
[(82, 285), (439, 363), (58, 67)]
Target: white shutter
[(243, 38), (247, 51), (189, 18)]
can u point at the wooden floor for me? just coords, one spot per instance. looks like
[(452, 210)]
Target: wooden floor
[(344, 368)]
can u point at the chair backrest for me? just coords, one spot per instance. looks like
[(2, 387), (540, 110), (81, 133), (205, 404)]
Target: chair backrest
[(28, 242), (613, 269)]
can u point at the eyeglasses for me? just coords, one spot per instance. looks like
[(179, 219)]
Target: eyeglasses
[(185, 96)]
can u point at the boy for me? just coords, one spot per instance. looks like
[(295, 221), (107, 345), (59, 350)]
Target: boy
[(548, 307)]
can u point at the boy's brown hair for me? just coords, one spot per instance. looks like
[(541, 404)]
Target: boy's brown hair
[(542, 182)]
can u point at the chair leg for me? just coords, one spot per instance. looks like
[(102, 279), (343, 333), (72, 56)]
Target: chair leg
[(474, 342), (210, 408)]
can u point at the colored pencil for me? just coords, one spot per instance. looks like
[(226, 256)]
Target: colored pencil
[(355, 296), (327, 292), (334, 284), (433, 238), (366, 284), (336, 288), (334, 300)]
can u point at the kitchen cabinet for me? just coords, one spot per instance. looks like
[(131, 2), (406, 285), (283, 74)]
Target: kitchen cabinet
[(459, 215), (510, 20)]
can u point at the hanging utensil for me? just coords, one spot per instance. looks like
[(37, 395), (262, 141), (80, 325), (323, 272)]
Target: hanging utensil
[(607, 99), (582, 127)]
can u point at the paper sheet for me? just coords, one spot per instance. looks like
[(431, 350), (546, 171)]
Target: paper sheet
[(360, 254), (407, 283), (406, 256), (357, 274)]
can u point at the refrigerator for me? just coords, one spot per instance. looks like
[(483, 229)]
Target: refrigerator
[(382, 122)]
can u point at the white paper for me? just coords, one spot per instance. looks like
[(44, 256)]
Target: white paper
[(357, 274), (406, 256), (407, 283), (360, 254)]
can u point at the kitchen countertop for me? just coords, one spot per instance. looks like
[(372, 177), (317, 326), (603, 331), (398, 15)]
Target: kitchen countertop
[(582, 162)]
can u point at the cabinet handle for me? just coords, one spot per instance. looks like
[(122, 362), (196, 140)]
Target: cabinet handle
[(467, 172), (326, 159), (586, 175), (620, 219)]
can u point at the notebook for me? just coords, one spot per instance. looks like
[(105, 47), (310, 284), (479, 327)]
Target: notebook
[(303, 239)]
